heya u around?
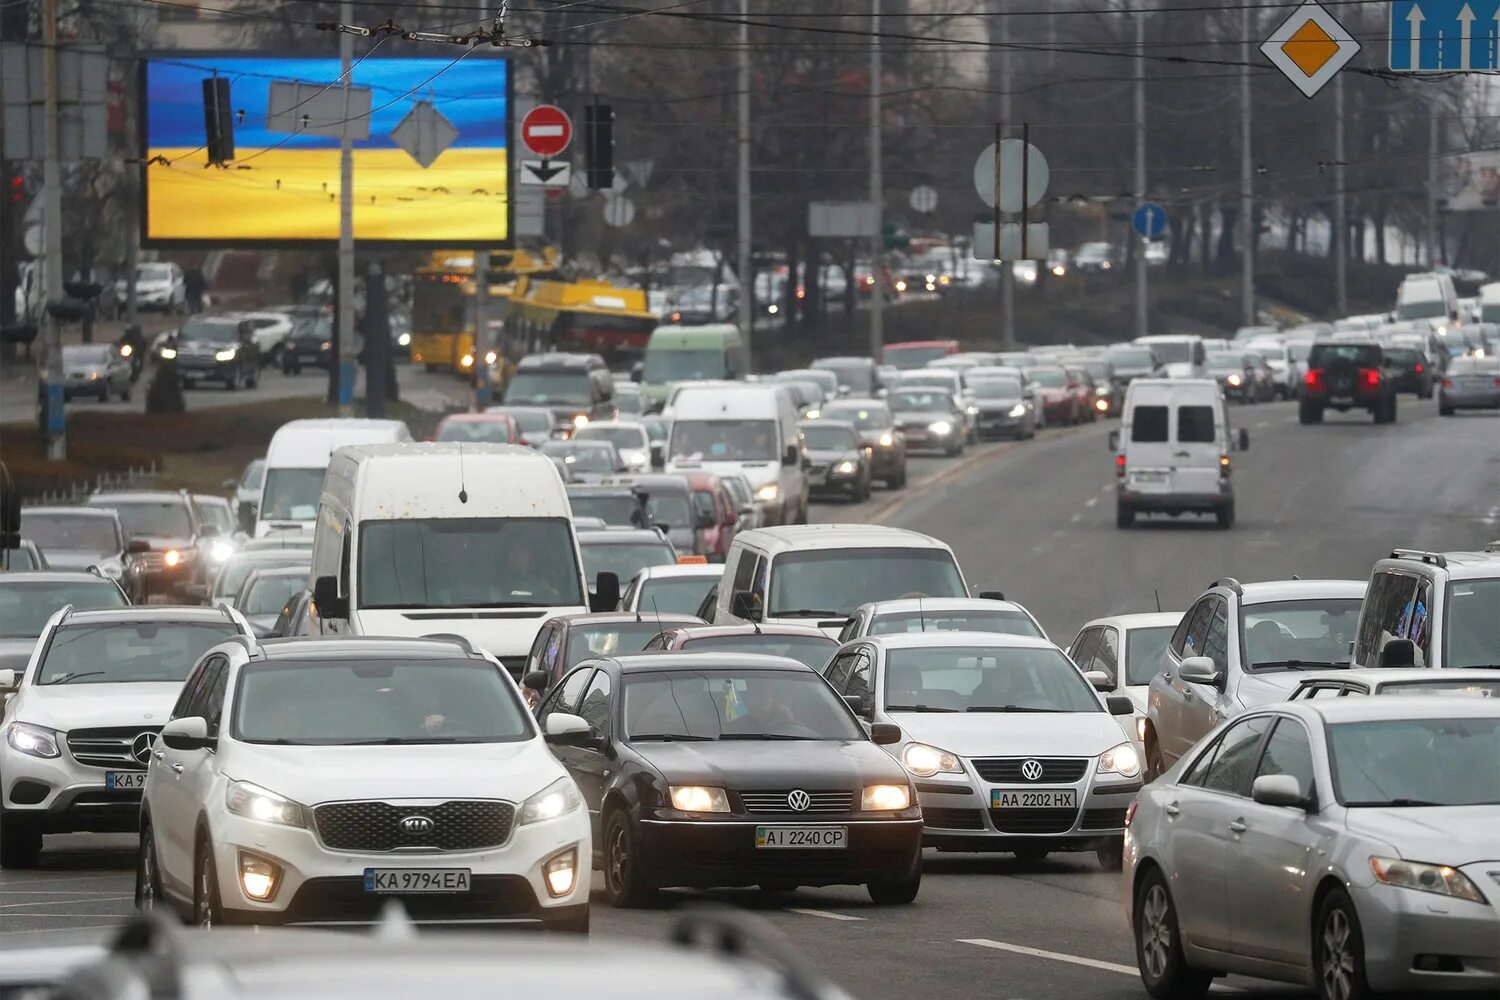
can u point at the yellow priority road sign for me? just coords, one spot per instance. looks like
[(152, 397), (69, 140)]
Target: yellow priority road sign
[(1310, 47)]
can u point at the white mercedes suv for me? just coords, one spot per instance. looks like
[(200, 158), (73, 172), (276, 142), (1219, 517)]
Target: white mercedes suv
[(313, 780), (85, 708)]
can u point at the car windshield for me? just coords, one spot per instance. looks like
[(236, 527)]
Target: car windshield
[(468, 562), (830, 438), (319, 328), (376, 700), (866, 418), (969, 620), (1473, 636), (937, 378), (26, 605), (995, 387), (1299, 635), (671, 509), (85, 355), (1144, 649), (1325, 354), (723, 440), (858, 377), (148, 518), (253, 476), (1051, 378), (213, 511), (1218, 361), (269, 594), (291, 494), (813, 650), (623, 559), (153, 272), (735, 704), (239, 567), (622, 438), (491, 431), (657, 429), (615, 638), (921, 401), (1129, 359), (677, 595), (71, 532), (583, 456), (1402, 355), (985, 679), (1422, 309), (129, 652), (570, 388), (683, 366), (620, 510), (1173, 351), (827, 583), (531, 421), (913, 357), (1416, 762), (211, 331)]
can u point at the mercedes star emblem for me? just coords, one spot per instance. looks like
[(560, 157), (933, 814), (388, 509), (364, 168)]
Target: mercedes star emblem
[(1031, 770), (797, 800), (140, 747)]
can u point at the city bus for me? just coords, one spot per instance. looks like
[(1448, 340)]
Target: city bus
[(590, 316), (443, 291)]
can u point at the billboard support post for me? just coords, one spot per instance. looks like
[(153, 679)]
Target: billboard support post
[(346, 228), (52, 382)]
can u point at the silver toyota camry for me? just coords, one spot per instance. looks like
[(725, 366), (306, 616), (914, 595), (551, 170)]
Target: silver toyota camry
[(1351, 845)]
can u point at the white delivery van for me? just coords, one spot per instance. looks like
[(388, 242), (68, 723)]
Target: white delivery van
[(296, 460), (474, 540), (1172, 451), (1489, 302), (1182, 355), (748, 428), (1427, 296), (818, 574)]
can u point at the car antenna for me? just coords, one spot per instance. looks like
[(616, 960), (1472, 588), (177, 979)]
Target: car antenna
[(1158, 599), (921, 615), (657, 612), (463, 494)]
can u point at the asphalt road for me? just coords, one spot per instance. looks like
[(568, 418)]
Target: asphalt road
[(1037, 521)]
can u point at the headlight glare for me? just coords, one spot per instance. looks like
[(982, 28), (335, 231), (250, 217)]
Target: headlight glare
[(887, 439), (168, 353), (227, 354), (770, 491), (221, 550), (846, 468), (940, 427), (404, 340), (33, 741), (557, 799), (1121, 760), (1233, 380), (885, 798), (172, 557), (1440, 879), (699, 799), (1019, 410), (262, 805), (580, 420), (925, 761)]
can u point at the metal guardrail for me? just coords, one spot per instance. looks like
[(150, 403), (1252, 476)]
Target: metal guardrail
[(134, 478)]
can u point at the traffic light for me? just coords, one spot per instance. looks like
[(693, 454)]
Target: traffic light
[(218, 121), (599, 145), (894, 237)]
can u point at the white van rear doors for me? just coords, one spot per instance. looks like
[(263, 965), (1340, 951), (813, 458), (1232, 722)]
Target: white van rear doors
[(1174, 442)]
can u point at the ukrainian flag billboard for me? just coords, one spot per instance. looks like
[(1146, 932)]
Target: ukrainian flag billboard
[(282, 186)]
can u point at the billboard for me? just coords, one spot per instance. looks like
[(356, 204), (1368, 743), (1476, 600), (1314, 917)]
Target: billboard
[(282, 186), (1472, 181)]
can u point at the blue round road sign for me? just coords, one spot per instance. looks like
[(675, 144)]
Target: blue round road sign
[(1150, 220)]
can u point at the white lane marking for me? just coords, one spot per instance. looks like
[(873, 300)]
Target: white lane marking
[(1076, 518), (59, 902), (1056, 956), (1091, 502), (53, 930), (825, 914), (1107, 487), (1261, 425)]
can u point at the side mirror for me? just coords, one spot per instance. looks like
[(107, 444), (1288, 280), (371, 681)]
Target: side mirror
[(658, 456), (706, 521), (1278, 790), (747, 509), (190, 733), (1200, 670), (536, 680), (1099, 679), (247, 518), (992, 595), (1244, 439), (606, 595), (1114, 440), (885, 733), (858, 704), (1398, 653), (9, 680), (742, 605), (1119, 705), (567, 730), (136, 546), (326, 597), (791, 457)]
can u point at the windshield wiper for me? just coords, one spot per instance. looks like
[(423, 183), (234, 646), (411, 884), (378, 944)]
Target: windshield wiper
[(1298, 665), (918, 708), (809, 613), (1399, 803), (70, 678), (1010, 708), (671, 738), (763, 736)]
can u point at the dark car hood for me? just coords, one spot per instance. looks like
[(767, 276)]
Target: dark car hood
[(922, 416), (205, 346), (832, 455), (161, 543), (745, 764), (995, 403)]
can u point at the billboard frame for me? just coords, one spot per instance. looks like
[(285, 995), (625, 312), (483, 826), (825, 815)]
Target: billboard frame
[(232, 243)]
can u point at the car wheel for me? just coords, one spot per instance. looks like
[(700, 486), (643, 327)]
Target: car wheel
[(1156, 761), (252, 380), (147, 878), (896, 892), (1445, 411), (1390, 415), (1225, 515), (1309, 413), (104, 393), (125, 392), (20, 845), (1158, 946), (1124, 515), (232, 381), (1339, 950), (206, 910), (1112, 858), (624, 881)]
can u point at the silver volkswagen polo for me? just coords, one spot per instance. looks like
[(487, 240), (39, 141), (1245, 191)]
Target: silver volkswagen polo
[(1351, 845)]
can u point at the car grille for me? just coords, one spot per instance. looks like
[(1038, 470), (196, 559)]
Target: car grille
[(1055, 770), (112, 748), (460, 825), (1033, 820), (1103, 819), (776, 802), (953, 819), (817, 469)]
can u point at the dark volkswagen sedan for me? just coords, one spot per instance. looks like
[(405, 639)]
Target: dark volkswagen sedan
[(717, 769)]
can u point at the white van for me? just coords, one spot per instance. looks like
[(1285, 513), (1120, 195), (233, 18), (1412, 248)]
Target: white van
[(298, 457), (1181, 355), (475, 540), (1427, 296), (1172, 451), (1489, 302), (818, 574), (748, 428)]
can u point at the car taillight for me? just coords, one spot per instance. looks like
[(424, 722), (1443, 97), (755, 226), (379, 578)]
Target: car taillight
[(1369, 377), (1224, 468), (1130, 812), (1120, 466), (1314, 378), (1497, 383), (1419, 368), (1448, 383)]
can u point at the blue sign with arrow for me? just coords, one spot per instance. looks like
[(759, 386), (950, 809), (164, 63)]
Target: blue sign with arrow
[(1150, 219), (1445, 36)]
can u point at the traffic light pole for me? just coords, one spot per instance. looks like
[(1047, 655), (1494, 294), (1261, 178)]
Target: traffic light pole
[(345, 317), (877, 191), (54, 425), (747, 271)]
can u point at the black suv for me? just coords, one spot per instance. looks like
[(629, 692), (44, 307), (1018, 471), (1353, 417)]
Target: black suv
[(166, 536), (1347, 376), (216, 349), (577, 388), (310, 343)]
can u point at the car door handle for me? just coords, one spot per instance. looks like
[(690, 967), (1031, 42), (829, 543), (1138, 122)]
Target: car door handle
[(1172, 809), (1237, 825), (176, 768)]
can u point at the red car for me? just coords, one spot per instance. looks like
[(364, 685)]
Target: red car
[(1081, 387), (489, 428), (716, 513), (807, 643), (1057, 398)]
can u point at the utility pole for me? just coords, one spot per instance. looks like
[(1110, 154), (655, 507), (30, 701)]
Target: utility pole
[(1007, 268), (742, 179), (54, 424), (877, 191), (1434, 251), (1141, 320), (1340, 219), (345, 379), (483, 391), (1247, 198)]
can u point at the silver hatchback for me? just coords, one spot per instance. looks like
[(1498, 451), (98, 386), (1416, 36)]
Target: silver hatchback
[(1350, 845)]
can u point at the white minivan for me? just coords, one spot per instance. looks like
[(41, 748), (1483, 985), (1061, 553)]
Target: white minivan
[(1427, 296), (749, 429), (1182, 355), (298, 457), (1172, 451), (473, 540)]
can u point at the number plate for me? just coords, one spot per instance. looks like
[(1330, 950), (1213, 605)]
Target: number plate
[(1148, 478), (125, 779), (802, 837), (411, 880), (1030, 798)]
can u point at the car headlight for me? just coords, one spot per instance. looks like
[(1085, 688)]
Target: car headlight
[(885, 798), (172, 558), (168, 353), (228, 354), (93, 376), (887, 439), (580, 420), (1101, 390), (326, 345), (1019, 410), (490, 357), (404, 340), (1233, 380), (940, 427), (1121, 760), (33, 741), (770, 491), (699, 799), (262, 805), (1440, 879), (557, 799), (846, 468), (812, 414), (972, 410), (467, 361), (221, 550), (126, 350), (925, 761)]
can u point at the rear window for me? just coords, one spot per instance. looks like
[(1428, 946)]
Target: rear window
[(1195, 424), (1148, 424), (1364, 355)]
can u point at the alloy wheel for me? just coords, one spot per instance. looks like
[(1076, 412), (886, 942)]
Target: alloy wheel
[(1156, 931), (1338, 956), (619, 858), (148, 878), (204, 910)]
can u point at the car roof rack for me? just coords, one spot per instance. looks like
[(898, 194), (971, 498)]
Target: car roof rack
[(1430, 558), (1229, 582), (454, 637), (733, 935)]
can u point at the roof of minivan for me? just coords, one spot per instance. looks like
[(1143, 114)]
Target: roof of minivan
[(730, 401), (789, 537), (1460, 565), (1159, 387), (311, 443), (686, 337), (411, 479)]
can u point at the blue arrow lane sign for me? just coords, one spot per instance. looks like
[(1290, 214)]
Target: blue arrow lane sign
[(1445, 36), (1150, 220)]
